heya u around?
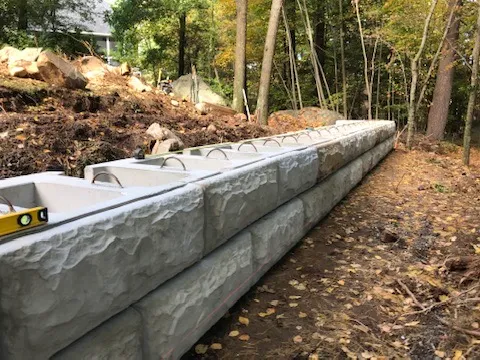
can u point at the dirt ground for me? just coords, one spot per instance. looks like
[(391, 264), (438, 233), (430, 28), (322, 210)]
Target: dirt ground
[(42, 126), (379, 278)]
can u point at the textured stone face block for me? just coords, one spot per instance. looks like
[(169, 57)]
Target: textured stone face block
[(339, 152), (117, 338), (297, 172), (321, 199), (61, 283), (275, 234), (177, 314), (236, 199)]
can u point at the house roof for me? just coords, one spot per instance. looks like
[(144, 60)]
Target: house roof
[(98, 25)]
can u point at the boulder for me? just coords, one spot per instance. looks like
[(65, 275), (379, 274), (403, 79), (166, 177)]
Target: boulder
[(136, 84), (183, 86), (207, 108), (57, 71), (6, 52), (27, 54), (125, 69), (166, 140), (291, 120), (168, 145), (24, 69), (91, 67), (17, 71)]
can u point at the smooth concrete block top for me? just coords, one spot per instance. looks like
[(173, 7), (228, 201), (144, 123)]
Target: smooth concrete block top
[(57, 285), (118, 338), (177, 314), (236, 199), (297, 172), (275, 234)]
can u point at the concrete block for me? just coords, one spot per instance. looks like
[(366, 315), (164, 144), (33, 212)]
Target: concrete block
[(236, 199), (337, 153), (297, 172), (57, 285), (117, 338), (275, 234), (321, 199), (178, 313)]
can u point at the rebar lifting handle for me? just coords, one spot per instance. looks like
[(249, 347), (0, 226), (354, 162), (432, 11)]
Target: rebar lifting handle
[(9, 204), (247, 143), (272, 140), (217, 149), (173, 158), (107, 174), (289, 136)]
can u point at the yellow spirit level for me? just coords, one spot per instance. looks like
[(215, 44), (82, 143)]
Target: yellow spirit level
[(21, 220)]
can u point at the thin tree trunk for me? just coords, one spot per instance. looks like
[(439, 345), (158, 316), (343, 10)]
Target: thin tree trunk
[(293, 64), (473, 94), (320, 40), (182, 44), (438, 114), (240, 56), (365, 59), (269, 52), (342, 59), (414, 66), (313, 59), (435, 58), (377, 104), (22, 15), (335, 64)]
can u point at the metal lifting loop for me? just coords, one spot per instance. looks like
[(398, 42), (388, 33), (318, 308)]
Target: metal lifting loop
[(272, 140), (174, 158), (247, 143), (9, 204), (288, 136), (108, 174), (217, 149), (306, 134)]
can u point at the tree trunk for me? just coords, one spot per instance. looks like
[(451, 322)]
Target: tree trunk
[(414, 67), (269, 52), (365, 60), (342, 60), (182, 40), (473, 94), (320, 40), (22, 15), (438, 114), (239, 80)]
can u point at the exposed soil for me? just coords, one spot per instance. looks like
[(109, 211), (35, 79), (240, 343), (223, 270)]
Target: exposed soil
[(343, 292), (45, 127)]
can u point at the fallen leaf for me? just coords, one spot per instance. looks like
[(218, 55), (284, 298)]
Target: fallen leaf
[(269, 312), (316, 336), (234, 333), (216, 346), (458, 355), (341, 282), (292, 305), (244, 337), (4, 134), (294, 297), (21, 137), (281, 316), (302, 315), (313, 356), (297, 339), (440, 354), (201, 349), (274, 302), (243, 321), (413, 323)]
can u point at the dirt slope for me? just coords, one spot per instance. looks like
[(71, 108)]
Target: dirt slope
[(42, 126)]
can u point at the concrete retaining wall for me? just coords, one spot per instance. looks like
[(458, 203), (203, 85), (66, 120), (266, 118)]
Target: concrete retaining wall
[(147, 279)]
